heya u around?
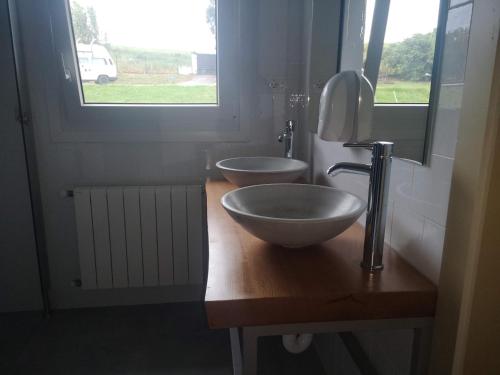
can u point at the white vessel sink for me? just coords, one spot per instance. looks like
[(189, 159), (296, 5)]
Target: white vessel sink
[(257, 170), (293, 215)]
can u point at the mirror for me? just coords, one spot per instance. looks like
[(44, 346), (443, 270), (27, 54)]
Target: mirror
[(397, 45)]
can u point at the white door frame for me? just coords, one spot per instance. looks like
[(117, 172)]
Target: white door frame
[(474, 170)]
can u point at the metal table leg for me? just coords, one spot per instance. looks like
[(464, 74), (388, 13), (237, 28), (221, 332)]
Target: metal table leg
[(422, 338), (234, 335), (250, 340)]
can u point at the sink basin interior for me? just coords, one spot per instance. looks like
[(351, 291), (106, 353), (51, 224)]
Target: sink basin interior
[(245, 171), (260, 164), (293, 215), (295, 202)]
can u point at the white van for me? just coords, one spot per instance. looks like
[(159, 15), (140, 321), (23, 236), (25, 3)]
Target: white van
[(96, 64)]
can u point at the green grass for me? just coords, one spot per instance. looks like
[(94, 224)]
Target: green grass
[(402, 92), (149, 94), (156, 93), (151, 79)]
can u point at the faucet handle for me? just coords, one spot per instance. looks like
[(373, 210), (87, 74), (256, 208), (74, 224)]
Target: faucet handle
[(358, 145), (378, 147)]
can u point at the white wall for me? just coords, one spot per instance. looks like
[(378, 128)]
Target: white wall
[(418, 205), (270, 50)]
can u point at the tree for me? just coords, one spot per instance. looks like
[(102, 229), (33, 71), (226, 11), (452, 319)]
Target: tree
[(211, 17), (410, 59), (84, 23)]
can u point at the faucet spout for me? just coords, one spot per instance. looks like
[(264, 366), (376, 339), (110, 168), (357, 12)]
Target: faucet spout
[(356, 168)]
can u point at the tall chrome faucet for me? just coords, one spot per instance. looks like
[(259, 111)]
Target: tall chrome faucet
[(380, 174), (286, 136)]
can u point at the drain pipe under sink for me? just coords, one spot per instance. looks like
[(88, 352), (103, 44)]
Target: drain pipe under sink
[(297, 343)]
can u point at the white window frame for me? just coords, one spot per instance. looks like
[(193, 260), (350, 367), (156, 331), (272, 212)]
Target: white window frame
[(405, 122), (89, 122)]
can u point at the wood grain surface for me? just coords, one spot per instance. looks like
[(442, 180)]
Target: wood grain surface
[(251, 282)]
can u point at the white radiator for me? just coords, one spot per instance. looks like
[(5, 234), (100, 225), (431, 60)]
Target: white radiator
[(140, 236)]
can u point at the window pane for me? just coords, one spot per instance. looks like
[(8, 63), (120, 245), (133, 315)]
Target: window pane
[(146, 51), (407, 58)]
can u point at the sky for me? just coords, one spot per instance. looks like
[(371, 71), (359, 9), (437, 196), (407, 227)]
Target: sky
[(406, 18), (176, 25), (180, 25)]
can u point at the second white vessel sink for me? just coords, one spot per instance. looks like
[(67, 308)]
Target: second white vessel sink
[(245, 171), (293, 215)]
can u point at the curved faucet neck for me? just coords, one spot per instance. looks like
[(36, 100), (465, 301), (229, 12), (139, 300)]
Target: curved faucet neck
[(357, 168)]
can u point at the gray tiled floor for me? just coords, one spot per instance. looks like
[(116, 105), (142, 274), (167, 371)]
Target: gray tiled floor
[(160, 339)]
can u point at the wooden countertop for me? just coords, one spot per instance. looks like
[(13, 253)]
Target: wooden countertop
[(251, 282)]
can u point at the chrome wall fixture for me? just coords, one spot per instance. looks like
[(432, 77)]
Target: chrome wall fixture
[(286, 136), (380, 173)]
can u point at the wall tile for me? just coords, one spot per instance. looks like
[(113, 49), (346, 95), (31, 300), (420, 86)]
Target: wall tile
[(294, 81), (381, 355), (399, 344), (295, 31), (418, 240), (454, 3), (431, 189), (450, 96), (388, 222), (456, 44), (279, 112), (401, 179), (345, 364), (406, 234), (272, 56), (432, 249), (447, 119), (388, 351)]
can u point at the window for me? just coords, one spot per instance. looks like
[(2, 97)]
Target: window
[(397, 45), (147, 70), (99, 62), (408, 51), (164, 52), (83, 60)]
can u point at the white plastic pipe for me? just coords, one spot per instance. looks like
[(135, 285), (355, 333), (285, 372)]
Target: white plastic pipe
[(297, 343)]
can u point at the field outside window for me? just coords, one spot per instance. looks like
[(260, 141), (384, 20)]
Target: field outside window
[(146, 51), (408, 53)]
